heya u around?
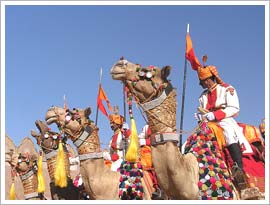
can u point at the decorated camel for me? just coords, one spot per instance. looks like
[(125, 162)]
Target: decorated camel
[(49, 142), (10, 148), (100, 182), (24, 163), (199, 174)]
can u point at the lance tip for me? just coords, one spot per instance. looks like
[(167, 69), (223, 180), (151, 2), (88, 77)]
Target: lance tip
[(188, 28)]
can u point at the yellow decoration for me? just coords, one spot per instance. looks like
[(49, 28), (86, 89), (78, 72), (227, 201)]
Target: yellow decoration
[(204, 187), (201, 171), (133, 148), (12, 191), (218, 132), (218, 184), (41, 184), (60, 176)]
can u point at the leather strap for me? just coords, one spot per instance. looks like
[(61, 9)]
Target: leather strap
[(31, 195), (27, 175), (156, 102), (51, 154), (164, 137), (87, 132), (93, 155)]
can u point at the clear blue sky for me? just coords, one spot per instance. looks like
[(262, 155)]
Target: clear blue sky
[(56, 50)]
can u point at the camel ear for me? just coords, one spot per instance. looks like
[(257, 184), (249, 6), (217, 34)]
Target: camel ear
[(87, 111), (165, 71), (27, 146)]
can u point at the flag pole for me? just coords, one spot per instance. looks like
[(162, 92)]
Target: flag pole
[(99, 86), (124, 101), (183, 101)]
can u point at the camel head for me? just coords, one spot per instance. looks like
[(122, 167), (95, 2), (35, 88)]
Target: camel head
[(25, 158), (70, 121), (46, 139), (145, 83)]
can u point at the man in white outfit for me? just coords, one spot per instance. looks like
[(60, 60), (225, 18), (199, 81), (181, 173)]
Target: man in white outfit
[(119, 140), (221, 103)]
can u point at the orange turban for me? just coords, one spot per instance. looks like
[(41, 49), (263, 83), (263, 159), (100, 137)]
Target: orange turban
[(118, 119), (207, 72)]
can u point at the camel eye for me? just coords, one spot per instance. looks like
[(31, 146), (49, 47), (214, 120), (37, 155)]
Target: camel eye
[(54, 137), (149, 75), (68, 118), (46, 136), (141, 73)]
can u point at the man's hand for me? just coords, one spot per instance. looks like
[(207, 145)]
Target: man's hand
[(198, 116), (209, 116)]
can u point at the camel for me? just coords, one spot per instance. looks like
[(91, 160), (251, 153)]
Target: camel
[(24, 162), (10, 148), (99, 181), (48, 141), (178, 174)]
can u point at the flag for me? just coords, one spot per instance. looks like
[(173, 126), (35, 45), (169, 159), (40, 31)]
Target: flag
[(102, 96), (190, 55)]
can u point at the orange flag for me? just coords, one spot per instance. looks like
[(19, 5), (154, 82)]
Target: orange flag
[(190, 55), (102, 96)]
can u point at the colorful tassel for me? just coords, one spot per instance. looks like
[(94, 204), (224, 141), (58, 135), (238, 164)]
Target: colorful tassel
[(132, 152), (12, 195), (60, 175), (12, 191), (41, 183)]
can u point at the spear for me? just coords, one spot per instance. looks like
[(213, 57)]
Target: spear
[(183, 100), (99, 87)]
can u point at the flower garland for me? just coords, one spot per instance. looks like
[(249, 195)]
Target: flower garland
[(215, 181), (130, 187)]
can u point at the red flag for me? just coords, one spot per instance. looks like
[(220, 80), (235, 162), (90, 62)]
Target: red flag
[(190, 55), (102, 96)]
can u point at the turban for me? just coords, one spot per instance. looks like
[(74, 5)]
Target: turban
[(118, 119), (207, 72)]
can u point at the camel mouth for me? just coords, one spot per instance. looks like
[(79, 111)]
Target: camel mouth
[(51, 119), (118, 75)]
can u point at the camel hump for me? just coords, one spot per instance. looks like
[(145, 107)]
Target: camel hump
[(10, 148), (28, 146), (9, 144)]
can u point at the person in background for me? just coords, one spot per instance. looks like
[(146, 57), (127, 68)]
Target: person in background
[(119, 140)]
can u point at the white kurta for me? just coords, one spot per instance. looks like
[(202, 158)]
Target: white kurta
[(223, 101)]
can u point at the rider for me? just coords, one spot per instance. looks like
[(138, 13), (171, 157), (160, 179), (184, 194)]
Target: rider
[(119, 140), (221, 104)]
